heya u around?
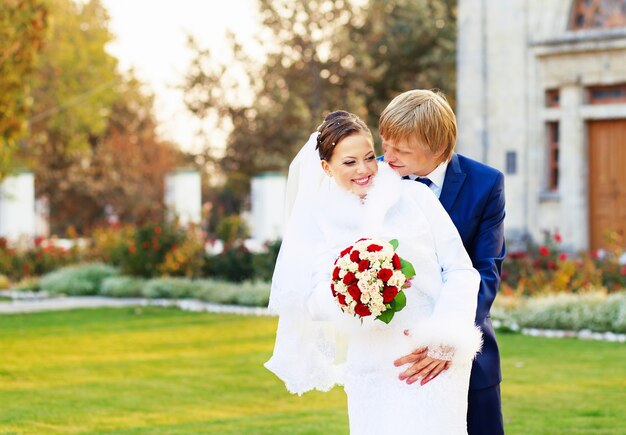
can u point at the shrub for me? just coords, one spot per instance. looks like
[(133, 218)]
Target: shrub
[(234, 265), (122, 287), (263, 263), (34, 259), (594, 310), (84, 279), (143, 254), (110, 244), (232, 229), (29, 284), (169, 288), (221, 292), (187, 259)]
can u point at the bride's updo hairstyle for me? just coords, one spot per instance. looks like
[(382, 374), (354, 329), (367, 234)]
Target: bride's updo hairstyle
[(337, 126)]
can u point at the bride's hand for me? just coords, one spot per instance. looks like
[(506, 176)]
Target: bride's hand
[(421, 366)]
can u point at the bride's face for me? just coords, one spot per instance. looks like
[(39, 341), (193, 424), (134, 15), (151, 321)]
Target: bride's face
[(353, 164)]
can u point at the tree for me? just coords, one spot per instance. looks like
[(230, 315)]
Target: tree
[(93, 142), (403, 45), (324, 55), (23, 25)]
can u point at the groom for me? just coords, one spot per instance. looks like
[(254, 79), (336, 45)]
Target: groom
[(419, 130)]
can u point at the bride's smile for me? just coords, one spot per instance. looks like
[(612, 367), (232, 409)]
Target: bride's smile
[(353, 163)]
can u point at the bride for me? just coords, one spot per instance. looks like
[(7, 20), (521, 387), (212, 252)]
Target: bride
[(338, 193)]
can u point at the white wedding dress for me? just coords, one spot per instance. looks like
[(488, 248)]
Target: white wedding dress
[(318, 346)]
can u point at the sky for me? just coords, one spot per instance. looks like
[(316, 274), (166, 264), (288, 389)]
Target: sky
[(151, 37)]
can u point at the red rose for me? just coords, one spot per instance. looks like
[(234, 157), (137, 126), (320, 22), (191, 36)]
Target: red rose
[(562, 256), (395, 260), (336, 274), (362, 310), (374, 248), (355, 292), (389, 293), (544, 251), (360, 240), (364, 265), (332, 289), (385, 274), (342, 299), (354, 256), (345, 251), (349, 278), (557, 237)]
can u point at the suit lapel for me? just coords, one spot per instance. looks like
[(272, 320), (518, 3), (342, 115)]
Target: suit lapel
[(452, 184)]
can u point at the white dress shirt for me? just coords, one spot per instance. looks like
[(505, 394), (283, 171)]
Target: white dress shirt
[(437, 177)]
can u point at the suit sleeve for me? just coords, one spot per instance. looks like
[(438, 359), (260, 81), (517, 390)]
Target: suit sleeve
[(487, 249)]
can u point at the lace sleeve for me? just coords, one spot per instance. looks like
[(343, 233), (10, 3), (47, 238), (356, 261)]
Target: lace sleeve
[(441, 352)]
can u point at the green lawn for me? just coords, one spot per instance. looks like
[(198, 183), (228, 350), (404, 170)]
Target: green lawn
[(165, 371)]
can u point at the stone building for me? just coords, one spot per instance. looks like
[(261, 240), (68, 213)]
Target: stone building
[(542, 97)]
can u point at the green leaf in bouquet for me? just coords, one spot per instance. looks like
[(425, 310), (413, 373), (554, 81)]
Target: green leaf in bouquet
[(398, 302), (386, 316), (407, 269), (394, 243)]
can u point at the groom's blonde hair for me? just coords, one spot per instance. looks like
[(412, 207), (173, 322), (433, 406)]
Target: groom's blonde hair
[(422, 117)]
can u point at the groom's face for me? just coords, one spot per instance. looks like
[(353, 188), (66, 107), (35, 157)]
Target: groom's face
[(409, 157)]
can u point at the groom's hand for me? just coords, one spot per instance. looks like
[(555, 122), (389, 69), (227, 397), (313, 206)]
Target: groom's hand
[(422, 367)]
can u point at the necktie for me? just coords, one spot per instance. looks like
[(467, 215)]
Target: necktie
[(424, 180)]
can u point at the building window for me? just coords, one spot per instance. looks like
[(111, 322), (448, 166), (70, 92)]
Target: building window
[(511, 162), (606, 94), (553, 155), (552, 98), (593, 14)]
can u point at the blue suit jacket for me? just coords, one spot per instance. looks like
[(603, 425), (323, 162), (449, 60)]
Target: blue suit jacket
[(473, 196)]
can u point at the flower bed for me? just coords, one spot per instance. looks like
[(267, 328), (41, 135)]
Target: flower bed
[(547, 268)]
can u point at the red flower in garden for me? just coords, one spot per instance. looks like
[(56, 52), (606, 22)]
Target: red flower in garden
[(355, 292), (551, 265), (157, 230), (544, 251), (349, 278), (397, 264), (345, 251), (389, 293), (622, 270), (385, 274), (145, 245), (374, 248), (364, 265), (354, 256), (132, 249), (557, 237), (562, 256), (362, 310)]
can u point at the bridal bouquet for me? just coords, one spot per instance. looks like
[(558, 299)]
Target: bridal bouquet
[(368, 279)]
